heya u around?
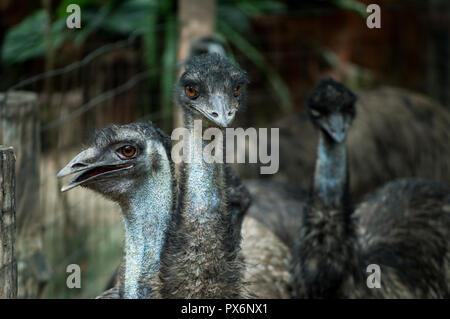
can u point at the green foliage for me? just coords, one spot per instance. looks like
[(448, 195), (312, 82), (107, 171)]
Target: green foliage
[(130, 17), (237, 13), (352, 5), (26, 40), (61, 11)]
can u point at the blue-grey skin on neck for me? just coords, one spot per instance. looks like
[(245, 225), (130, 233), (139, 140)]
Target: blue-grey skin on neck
[(146, 221), (330, 172), (201, 180)]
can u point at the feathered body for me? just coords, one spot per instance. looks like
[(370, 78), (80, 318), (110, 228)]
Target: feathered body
[(405, 228), (278, 207), (267, 261)]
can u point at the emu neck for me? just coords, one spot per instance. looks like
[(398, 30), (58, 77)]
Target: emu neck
[(330, 175), (326, 251), (146, 218), (207, 263), (204, 181)]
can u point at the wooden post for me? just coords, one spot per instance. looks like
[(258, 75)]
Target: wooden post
[(196, 19), (8, 264), (20, 129)]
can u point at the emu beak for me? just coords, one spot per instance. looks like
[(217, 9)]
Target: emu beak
[(220, 113), (85, 164), (337, 128)]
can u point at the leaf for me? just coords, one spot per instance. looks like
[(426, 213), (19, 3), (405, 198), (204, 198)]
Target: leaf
[(352, 5), (61, 11), (130, 16), (26, 40), (235, 18), (254, 8)]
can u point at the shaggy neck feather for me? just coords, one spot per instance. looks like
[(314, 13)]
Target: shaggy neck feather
[(207, 264)]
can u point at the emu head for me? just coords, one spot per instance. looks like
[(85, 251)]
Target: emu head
[(331, 108), (211, 88), (117, 159)]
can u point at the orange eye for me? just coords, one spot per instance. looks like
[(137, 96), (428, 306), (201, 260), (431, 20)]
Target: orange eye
[(190, 91), (237, 90), (128, 150)]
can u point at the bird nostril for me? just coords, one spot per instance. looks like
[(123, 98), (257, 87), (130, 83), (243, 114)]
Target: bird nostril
[(78, 165), (215, 114), (230, 113)]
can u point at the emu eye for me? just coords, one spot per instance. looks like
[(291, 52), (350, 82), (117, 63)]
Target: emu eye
[(237, 90), (190, 91), (127, 151), (315, 113)]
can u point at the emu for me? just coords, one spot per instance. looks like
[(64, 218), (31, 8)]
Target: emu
[(204, 257), (130, 164), (403, 227)]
